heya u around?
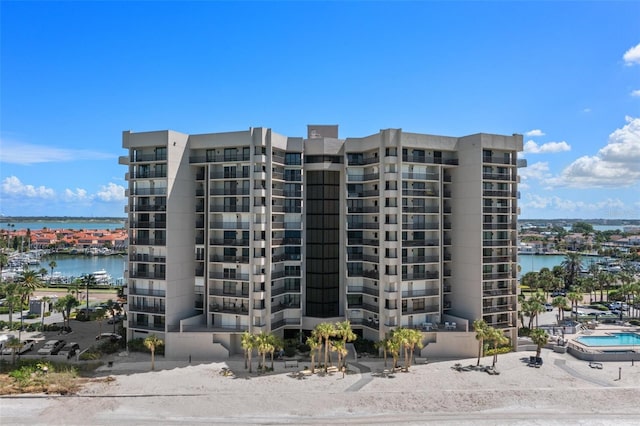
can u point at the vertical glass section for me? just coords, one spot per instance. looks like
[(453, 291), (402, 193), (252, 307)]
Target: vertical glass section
[(323, 239)]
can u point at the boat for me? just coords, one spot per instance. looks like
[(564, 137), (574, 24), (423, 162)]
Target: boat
[(102, 277)]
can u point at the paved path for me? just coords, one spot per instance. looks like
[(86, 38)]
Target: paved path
[(365, 378), (561, 363)]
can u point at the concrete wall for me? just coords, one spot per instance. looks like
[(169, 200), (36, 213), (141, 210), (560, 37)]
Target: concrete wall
[(450, 345), (181, 346)]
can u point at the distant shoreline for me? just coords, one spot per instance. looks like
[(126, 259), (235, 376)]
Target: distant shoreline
[(35, 219)]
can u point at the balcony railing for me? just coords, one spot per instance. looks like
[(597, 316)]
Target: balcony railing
[(229, 259), (421, 293), (228, 276), (133, 291), (420, 259), (361, 289), (148, 225), (147, 274), (276, 291), (421, 176), (285, 322), (282, 306), (417, 243), (149, 241), (145, 308), (146, 326), (228, 242), (420, 276), (229, 225)]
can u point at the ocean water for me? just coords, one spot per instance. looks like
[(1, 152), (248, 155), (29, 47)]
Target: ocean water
[(77, 266), (77, 225)]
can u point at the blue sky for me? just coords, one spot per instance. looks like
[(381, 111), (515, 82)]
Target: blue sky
[(74, 75)]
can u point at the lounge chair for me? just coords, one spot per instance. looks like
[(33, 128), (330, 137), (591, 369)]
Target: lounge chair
[(597, 365)]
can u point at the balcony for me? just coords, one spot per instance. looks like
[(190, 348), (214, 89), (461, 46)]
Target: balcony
[(369, 322), (285, 322), (371, 308), (229, 259), (229, 209), (229, 225), (420, 276), (363, 225), (229, 175), (421, 176), (366, 290), (497, 276), (276, 291), (362, 178), (421, 293), (497, 176), (146, 326), (229, 191), (363, 209), (150, 191), (228, 293), (227, 276), (494, 159), (281, 274), (148, 174), (147, 275), (420, 225), (136, 157), (146, 258), (148, 225), (420, 259), (145, 308), (133, 291), (228, 242), (148, 207), (149, 242), (229, 308), (220, 158), (427, 309), (420, 193), (282, 306), (418, 243), (498, 292), (497, 308)]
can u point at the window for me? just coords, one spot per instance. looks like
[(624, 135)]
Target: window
[(293, 159), (391, 152), (391, 185), (390, 202), (391, 236)]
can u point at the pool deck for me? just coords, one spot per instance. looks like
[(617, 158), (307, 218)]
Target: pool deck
[(602, 353)]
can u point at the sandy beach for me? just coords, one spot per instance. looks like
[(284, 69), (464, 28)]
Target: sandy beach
[(563, 391)]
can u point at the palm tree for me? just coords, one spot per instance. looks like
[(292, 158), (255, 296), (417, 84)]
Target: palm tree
[(99, 316), (413, 339), (382, 344), (113, 308), (574, 297), (44, 302), (52, 265), (325, 331), (14, 344), (572, 265), (65, 305), (393, 347), (604, 281), (275, 343), (263, 344), (247, 340), (539, 338), (13, 299), (28, 281), (344, 332), (88, 280), (497, 337), (559, 302), (314, 344), (152, 343), (338, 346), (482, 329)]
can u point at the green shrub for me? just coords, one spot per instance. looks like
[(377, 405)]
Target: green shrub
[(499, 351), (599, 307), (137, 345), (634, 322), (524, 331)]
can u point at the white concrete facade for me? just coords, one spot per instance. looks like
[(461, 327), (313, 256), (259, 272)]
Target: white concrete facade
[(252, 230)]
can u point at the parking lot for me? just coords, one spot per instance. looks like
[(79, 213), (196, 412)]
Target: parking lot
[(82, 332)]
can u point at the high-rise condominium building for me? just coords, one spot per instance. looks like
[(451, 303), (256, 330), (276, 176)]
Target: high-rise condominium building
[(253, 230)]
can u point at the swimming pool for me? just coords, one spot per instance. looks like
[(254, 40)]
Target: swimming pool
[(617, 339)]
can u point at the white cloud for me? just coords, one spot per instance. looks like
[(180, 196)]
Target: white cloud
[(617, 164), (530, 147), (537, 171), (79, 195), (13, 187), (111, 192), (635, 93), (534, 132), (632, 56), (25, 153), (586, 110), (553, 202)]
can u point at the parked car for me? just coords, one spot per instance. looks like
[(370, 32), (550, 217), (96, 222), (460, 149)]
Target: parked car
[(27, 346), (69, 350), (557, 293), (548, 307), (52, 347), (111, 336), (115, 319)]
